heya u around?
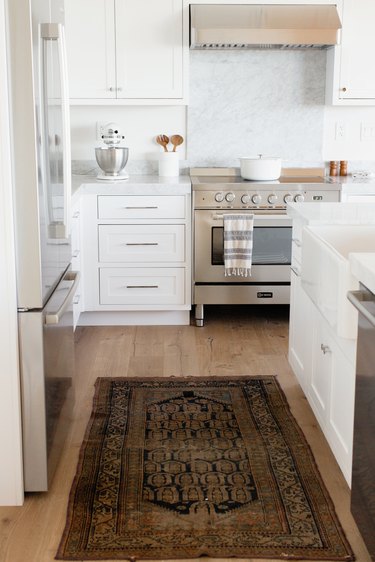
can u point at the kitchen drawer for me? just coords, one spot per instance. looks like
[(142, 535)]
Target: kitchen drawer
[(142, 286), (141, 206), (141, 243)]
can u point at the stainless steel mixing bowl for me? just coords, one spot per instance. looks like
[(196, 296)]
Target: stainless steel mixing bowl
[(112, 159)]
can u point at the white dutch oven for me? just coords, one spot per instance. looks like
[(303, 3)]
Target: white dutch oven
[(261, 168)]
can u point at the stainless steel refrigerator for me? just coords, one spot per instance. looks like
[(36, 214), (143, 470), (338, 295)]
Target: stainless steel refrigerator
[(40, 141)]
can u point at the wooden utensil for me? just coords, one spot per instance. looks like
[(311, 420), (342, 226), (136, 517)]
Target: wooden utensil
[(163, 140), (176, 140)]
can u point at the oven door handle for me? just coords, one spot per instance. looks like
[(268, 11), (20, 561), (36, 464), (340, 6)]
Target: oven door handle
[(266, 218)]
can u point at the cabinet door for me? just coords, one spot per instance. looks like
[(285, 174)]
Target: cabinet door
[(357, 76), (341, 412), (90, 40), (149, 48), (300, 332), (321, 376)]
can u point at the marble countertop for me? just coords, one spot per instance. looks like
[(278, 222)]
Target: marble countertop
[(333, 213), (350, 185), (362, 265), (148, 185)]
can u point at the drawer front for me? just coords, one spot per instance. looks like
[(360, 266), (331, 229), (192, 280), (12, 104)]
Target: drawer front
[(138, 243), (142, 286), (141, 206)]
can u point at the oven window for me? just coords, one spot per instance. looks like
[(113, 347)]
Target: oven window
[(272, 245)]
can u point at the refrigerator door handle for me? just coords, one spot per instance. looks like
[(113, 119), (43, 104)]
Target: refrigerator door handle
[(65, 128), (56, 316), (55, 32), (355, 298)]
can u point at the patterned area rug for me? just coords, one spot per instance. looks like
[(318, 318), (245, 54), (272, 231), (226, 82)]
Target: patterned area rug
[(182, 468)]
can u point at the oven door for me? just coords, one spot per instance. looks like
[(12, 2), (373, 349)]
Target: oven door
[(272, 247)]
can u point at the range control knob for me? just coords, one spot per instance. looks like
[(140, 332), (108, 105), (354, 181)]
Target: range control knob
[(230, 197), (272, 198), (299, 198), (245, 199), (219, 197), (256, 199), (288, 197)]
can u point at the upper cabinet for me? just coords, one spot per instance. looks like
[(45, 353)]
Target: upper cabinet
[(125, 51), (350, 75)]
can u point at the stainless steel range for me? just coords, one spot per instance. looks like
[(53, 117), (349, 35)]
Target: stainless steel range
[(217, 191)]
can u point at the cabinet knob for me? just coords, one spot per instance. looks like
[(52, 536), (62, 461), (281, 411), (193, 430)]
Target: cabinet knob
[(344, 89), (325, 348), (112, 89)]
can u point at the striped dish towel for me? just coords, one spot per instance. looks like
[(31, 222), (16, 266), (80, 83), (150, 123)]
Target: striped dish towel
[(238, 244)]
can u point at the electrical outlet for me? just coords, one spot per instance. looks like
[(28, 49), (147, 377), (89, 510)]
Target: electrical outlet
[(100, 128), (340, 130), (367, 131)]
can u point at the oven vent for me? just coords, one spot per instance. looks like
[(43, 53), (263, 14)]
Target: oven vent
[(263, 26), (242, 46)]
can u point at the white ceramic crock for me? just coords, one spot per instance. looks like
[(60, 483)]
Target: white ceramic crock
[(261, 168)]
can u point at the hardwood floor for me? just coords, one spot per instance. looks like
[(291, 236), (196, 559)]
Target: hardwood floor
[(234, 341)]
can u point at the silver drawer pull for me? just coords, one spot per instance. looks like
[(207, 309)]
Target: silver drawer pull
[(142, 286), (76, 215), (297, 242), (325, 348), (141, 243), (76, 299), (154, 207), (75, 254)]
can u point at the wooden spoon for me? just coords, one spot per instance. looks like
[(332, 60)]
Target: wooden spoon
[(163, 140), (176, 140)]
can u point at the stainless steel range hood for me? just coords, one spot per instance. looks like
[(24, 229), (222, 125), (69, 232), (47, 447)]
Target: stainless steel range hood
[(252, 26)]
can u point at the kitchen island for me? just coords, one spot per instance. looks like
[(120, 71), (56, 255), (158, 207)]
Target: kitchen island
[(322, 358)]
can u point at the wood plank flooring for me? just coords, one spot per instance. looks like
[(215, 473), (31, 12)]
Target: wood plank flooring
[(234, 341)]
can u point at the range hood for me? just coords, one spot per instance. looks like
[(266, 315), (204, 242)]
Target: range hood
[(252, 26)]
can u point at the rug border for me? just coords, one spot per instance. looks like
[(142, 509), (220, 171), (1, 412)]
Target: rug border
[(95, 401)]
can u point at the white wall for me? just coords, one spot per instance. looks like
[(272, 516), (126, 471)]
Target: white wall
[(349, 134), (139, 124)]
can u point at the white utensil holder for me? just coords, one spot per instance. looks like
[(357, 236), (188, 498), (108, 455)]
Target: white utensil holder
[(169, 164)]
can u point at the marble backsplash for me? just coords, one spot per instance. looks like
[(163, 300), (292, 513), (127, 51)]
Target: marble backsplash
[(244, 103)]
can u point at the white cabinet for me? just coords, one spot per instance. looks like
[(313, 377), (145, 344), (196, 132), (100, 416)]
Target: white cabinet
[(332, 390), (149, 48), (125, 50), (133, 243), (350, 75), (142, 286), (137, 255), (323, 363)]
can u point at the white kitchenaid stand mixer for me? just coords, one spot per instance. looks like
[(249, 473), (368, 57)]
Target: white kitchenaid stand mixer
[(111, 156)]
